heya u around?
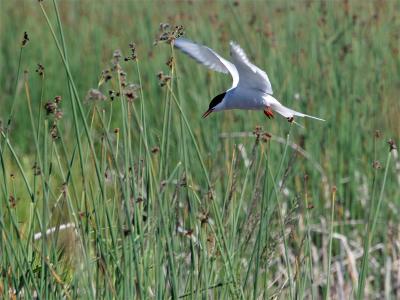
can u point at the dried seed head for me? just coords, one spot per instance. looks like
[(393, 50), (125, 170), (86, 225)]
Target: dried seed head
[(132, 56), (57, 99), (40, 70), (122, 78), (54, 131), (112, 94), (50, 107), (106, 75), (164, 26), (12, 201), (58, 115), (116, 130), (163, 79), (257, 130), (155, 149), (130, 92), (36, 169), (265, 137), (95, 95), (204, 218), (116, 56), (377, 134), (376, 165), (392, 145), (25, 40), (170, 62), (168, 34)]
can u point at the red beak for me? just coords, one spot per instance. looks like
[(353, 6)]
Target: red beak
[(205, 115)]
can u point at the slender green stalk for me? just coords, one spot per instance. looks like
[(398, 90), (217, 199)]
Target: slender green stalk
[(328, 275), (371, 231)]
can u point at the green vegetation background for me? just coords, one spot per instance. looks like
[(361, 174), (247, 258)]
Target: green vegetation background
[(335, 60)]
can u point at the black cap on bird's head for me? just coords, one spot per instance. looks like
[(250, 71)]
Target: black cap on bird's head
[(214, 102)]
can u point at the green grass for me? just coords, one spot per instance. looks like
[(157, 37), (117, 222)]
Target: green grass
[(159, 203)]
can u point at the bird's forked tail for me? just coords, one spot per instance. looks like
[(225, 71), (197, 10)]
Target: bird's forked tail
[(290, 113)]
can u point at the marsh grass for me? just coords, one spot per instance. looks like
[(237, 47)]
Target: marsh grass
[(123, 193)]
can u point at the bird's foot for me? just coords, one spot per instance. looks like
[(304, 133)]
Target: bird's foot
[(269, 113)]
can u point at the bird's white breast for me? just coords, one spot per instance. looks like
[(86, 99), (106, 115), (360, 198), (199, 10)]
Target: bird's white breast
[(239, 98)]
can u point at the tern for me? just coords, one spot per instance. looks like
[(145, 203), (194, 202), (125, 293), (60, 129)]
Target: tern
[(251, 88)]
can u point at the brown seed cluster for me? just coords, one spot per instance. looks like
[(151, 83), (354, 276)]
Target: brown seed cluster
[(392, 145), (163, 79), (132, 56), (36, 169), (40, 70), (116, 57), (95, 95), (53, 109), (25, 40), (129, 90), (113, 94), (377, 165), (168, 33), (12, 201), (155, 149), (106, 75), (261, 135), (170, 62)]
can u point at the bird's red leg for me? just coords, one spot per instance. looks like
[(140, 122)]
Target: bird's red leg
[(268, 112)]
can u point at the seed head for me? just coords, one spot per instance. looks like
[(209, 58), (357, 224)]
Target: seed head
[(12, 201), (265, 137), (112, 94), (50, 107), (116, 56), (58, 115), (376, 165), (155, 149), (170, 62), (132, 56), (57, 99), (392, 145), (106, 75), (40, 70), (25, 40), (54, 131), (36, 169), (95, 95), (168, 34), (163, 79), (130, 92)]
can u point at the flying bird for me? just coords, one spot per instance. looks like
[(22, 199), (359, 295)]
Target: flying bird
[(251, 88)]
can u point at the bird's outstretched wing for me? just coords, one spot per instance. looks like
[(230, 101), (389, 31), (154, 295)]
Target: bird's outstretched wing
[(250, 76), (208, 57)]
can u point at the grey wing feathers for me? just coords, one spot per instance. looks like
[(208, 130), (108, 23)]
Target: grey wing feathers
[(250, 76), (207, 57), (201, 54)]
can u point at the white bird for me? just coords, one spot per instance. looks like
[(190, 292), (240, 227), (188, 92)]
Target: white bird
[(251, 88)]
